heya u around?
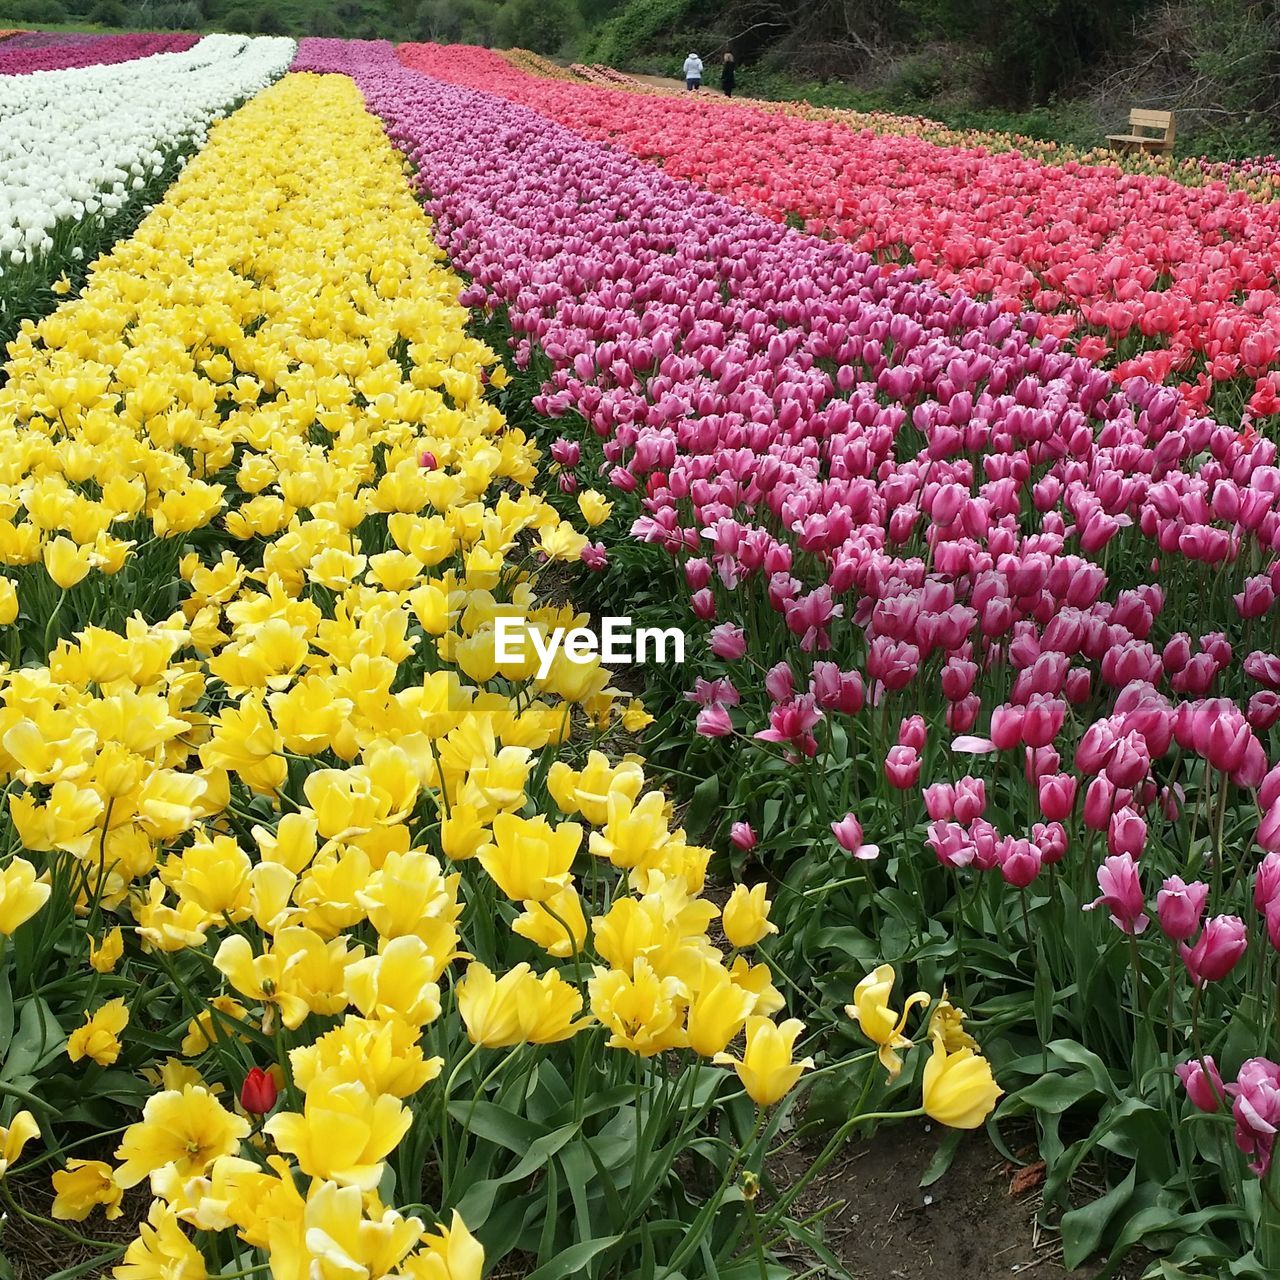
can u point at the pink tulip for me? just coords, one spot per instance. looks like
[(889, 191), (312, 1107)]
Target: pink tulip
[(1020, 862), (1180, 907), (848, 834), (728, 641), (940, 800), (913, 733), (1127, 832), (902, 767), (714, 722), (1255, 1105), (742, 836), (1221, 944), (1203, 1083), (779, 683), (970, 799), (1057, 796), (1121, 893), (952, 844)]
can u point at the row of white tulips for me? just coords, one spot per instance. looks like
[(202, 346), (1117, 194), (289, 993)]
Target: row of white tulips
[(75, 144)]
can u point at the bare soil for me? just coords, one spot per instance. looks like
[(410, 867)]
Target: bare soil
[(977, 1222)]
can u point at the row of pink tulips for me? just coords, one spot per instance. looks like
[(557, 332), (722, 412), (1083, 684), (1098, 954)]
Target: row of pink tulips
[(61, 51), (1175, 283)]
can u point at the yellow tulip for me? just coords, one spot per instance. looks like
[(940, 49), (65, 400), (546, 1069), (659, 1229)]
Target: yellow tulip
[(717, 1012), (879, 1023), (66, 563), (450, 1253), (746, 916), (594, 507), (642, 1011), (959, 1089), (189, 1129), (530, 859), (384, 1056), (21, 1129), (21, 895), (344, 1132), (490, 1006), (82, 1185), (398, 982), (8, 602), (99, 1037), (766, 1069)]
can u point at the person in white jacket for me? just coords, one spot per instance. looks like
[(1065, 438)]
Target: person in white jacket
[(692, 71)]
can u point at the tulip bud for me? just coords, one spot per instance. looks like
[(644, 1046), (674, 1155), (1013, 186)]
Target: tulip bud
[(1180, 907), (258, 1094), (742, 836), (1202, 1082), (902, 767)]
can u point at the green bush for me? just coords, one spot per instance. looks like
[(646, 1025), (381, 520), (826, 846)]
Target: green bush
[(543, 26), (631, 34), (109, 13), (36, 11), (238, 20)]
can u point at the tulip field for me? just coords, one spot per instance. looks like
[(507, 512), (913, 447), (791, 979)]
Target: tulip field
[(342, 939)]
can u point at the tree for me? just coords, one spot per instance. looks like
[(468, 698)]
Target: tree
[(543, 26)]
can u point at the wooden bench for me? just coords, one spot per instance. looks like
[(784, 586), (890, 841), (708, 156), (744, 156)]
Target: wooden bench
[(1160, 141)]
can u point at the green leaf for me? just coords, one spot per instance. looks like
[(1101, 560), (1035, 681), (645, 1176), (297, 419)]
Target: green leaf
[(496, 1124), (1054, 1093), (478, 1200), (942, 1158), (573, 1259), (38, 1040), (1082, 1228), (702, 806)]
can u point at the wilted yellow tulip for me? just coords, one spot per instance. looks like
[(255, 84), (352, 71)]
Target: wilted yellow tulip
[(99, 1037), (82, 1185), (879, 1023), (162, 1248), (104, 956), (947, 1022), (20, 1130)]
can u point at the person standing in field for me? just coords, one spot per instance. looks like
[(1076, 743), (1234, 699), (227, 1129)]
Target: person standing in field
[(728, 74), (692, 71)]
